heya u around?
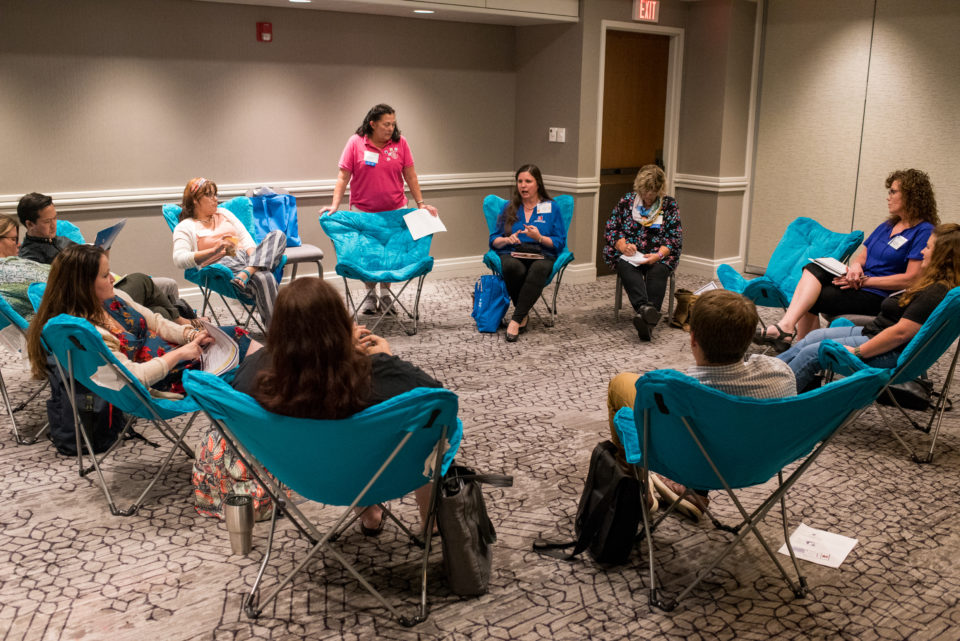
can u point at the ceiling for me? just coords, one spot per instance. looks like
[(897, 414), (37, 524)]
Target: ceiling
[(404, 8)]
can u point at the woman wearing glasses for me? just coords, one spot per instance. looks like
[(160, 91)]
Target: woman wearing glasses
[(889, 262), (209, 234), (17, 273)]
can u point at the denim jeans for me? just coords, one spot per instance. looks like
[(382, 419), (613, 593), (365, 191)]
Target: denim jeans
[(803, 356)]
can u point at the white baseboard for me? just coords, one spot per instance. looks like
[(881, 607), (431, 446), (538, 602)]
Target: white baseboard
[(707, 266), (461, 266)]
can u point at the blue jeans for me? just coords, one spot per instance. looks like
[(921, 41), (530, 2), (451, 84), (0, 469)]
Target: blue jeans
[(803, 356)]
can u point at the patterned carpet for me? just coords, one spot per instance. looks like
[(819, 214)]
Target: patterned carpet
[(534, 409)]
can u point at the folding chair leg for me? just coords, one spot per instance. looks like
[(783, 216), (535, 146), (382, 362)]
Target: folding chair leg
[(11, 410), (940, 407), (130, 511)]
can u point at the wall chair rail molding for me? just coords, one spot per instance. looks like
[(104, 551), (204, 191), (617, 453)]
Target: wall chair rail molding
[(716, 184)]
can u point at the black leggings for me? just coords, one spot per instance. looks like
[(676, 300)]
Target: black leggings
[(525, 278), (834, 301), (645, 284)]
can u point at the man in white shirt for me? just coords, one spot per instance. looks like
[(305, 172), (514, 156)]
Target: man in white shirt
[(722, 324)]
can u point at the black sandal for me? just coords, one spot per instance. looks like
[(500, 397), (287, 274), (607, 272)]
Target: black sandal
[(781, 342), (373, 531)]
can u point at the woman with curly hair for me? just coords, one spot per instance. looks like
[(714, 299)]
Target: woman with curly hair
[(643, 243), (880, 341), (156, 351), (889, 261)]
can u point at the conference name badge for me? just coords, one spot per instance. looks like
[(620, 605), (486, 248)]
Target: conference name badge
[(544, 208), (370, 158), (897, 241)]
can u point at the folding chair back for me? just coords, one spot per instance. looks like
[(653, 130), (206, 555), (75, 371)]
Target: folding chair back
[(82, 356), (935, 337), (376, 455), (331, 461), (492, 206), (13, 333), (708, 440), (804, 239), (376, 247), (69, 230)]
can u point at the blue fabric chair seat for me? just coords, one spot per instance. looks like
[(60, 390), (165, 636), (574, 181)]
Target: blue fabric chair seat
[(376, 247), (393, 447), (81, 355), (14, 327), (935, 337), (745, 442), (804, 239)]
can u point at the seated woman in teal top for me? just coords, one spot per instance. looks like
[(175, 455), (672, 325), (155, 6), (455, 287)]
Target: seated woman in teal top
[(530, 234)]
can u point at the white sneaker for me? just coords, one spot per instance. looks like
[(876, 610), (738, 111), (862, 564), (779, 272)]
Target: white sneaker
[(386, 304), (369, 306)]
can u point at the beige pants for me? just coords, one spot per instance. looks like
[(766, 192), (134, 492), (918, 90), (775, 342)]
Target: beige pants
[(622, 392)]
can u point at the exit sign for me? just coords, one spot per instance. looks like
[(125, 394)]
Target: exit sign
[(646, 10)]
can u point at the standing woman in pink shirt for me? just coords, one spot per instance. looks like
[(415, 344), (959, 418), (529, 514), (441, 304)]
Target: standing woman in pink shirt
[(375, 163)]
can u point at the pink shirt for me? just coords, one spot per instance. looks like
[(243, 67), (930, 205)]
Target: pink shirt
[(378, 187)]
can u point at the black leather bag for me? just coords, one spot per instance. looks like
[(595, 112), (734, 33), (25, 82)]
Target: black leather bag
[(912, 395), (467, 531), (609, 513)]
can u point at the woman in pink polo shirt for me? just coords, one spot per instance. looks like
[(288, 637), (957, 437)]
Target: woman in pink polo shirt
[(375, 163)]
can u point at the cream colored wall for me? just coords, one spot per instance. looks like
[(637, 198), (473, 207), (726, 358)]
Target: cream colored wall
[(824, 93), (139, 95)]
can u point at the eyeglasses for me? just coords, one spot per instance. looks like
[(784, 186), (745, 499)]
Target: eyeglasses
[(15, 239), (891, 192)]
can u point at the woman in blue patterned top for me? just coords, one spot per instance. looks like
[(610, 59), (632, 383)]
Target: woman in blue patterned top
[(530, 234), (643, 243)]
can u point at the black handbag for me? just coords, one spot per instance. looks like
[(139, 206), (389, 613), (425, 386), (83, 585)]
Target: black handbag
[(608, 515), (466, 529)]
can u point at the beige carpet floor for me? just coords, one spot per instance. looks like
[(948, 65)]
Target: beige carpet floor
[(534, 409)]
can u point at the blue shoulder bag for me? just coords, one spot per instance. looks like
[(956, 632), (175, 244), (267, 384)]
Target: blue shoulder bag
[(490, 302)]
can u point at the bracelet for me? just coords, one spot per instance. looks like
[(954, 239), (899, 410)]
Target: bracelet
[(856, 351), (420, 202)]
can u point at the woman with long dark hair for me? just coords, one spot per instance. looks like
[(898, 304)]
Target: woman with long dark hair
[(375, 162), (156, 351), (530, 234), (329, 370)]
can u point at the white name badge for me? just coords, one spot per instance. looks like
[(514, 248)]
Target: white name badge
[(371, 158), (544, 208), (658, 221), (897, 241)]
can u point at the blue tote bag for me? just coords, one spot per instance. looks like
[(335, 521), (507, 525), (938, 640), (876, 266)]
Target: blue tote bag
[(490, 302), (276, 211)]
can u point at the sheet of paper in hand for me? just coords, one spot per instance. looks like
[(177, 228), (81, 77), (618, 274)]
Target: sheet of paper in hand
[(222, 355), (422, 223)]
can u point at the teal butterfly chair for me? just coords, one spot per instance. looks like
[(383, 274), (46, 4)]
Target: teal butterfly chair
[(804, 239), (377, 455), (376, 247), (935, 337), (708, 440), (13, 327), (492, 206), (216, 278), (71, 231), (82, 357)]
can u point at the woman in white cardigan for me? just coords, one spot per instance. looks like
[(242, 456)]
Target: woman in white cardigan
[(154, 350), (209, 234)]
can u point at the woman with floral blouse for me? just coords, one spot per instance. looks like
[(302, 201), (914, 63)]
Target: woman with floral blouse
[(156, 351), (643, 243)]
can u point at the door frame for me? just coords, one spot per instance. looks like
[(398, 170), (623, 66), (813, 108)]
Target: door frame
[(671, 124)]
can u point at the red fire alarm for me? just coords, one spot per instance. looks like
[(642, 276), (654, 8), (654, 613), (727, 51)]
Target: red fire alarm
[(264, 32)]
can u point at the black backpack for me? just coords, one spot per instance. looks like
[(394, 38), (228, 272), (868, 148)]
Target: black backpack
[(609, 512), (101, 421)]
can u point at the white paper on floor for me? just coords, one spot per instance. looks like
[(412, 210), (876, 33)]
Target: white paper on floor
[(819, 546)]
